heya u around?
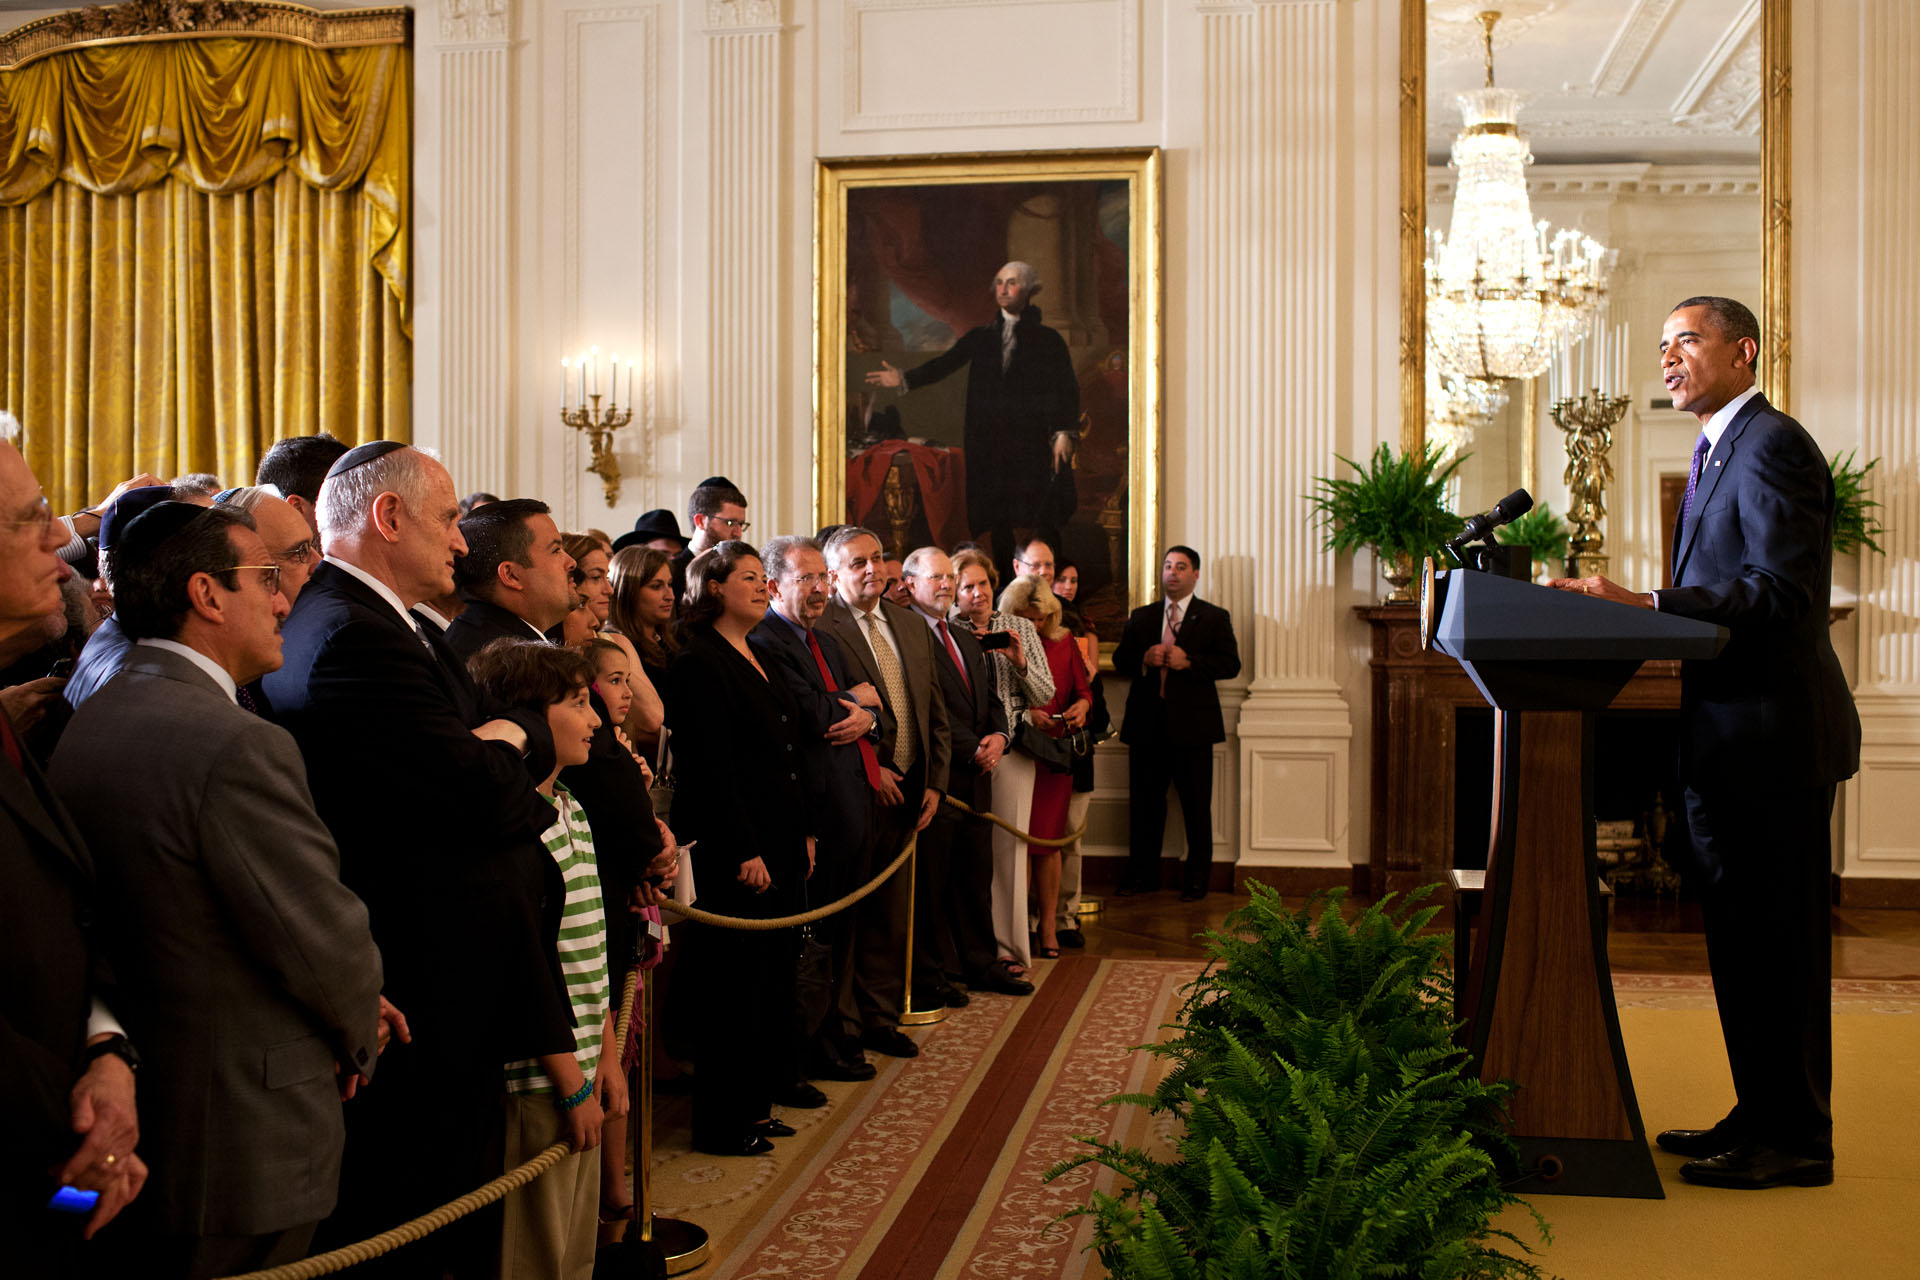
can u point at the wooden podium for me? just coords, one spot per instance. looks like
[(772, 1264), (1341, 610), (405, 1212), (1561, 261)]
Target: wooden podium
[(1537, 999)]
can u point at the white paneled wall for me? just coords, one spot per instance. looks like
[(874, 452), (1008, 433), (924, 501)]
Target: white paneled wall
[(640, 175)]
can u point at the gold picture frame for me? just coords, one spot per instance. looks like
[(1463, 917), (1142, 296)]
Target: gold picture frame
[(898, 243), (1776, 187)]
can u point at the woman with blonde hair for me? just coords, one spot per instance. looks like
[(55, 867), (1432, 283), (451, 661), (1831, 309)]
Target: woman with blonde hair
[(1030, 598), (1021, 680)]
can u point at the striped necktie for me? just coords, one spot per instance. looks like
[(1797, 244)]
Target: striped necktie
[(1701, 448)]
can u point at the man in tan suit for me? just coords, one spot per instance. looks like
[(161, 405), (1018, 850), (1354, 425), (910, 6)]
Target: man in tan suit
[(892, 650)]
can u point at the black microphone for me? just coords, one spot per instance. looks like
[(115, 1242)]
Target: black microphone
[(1505, 511)]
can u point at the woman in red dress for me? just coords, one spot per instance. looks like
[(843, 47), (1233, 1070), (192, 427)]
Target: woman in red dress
[(1029, 597)]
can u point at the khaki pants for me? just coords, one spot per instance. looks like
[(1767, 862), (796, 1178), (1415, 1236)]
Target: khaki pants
[(1013, 801), (552, 1222)]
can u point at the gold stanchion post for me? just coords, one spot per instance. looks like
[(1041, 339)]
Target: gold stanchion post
[(910, 1016), (683, 1243)]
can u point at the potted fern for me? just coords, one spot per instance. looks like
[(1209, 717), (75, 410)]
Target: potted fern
[(1329, 1126), (1541, 532), (1396, 506), (1854, 524)]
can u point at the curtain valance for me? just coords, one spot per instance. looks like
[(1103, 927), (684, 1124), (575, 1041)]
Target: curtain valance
[(224, 115)]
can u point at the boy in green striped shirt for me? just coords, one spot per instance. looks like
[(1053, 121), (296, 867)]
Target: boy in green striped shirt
[(551, 1222)]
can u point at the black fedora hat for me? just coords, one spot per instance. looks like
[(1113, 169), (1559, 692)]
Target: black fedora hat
[(658, 523)]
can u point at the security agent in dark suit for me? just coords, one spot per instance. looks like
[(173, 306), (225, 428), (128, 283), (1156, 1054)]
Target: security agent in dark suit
[(513, 576), (913, 752), (66, 1068), (1768, 730), (1023, 416), (431, 799), (953, 878), (1174, 652), (840, 722), (249, 972)]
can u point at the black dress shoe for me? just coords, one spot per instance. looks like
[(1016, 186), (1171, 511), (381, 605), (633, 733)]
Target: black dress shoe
[(1697, 1143), (1072, 939), (774, 1129), (831, 1066), (747, 1144), (942, 994), (802, 1096), (1127, 888), (1193, 893), (1749, 1167), (889, 1040)]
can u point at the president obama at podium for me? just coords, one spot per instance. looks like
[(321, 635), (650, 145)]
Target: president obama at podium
[(1768, 730)]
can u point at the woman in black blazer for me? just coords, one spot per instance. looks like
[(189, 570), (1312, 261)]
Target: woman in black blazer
[(738, 792)]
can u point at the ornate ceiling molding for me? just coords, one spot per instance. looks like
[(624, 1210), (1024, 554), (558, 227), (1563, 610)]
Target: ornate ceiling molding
[(1628, 52), (143, 20), (1724, 94), (1621, 179)]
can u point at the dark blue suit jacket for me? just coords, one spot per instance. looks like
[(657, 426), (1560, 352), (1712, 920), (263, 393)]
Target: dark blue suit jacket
[(840, 822), (1757, 558), (438, 830)]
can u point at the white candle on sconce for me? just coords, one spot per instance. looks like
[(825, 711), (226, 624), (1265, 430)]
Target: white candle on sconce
[(581, 365), (595, 353), (563, 384), (629, 384)]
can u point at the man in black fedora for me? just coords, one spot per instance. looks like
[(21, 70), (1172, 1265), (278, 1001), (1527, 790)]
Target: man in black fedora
[(657, 528)]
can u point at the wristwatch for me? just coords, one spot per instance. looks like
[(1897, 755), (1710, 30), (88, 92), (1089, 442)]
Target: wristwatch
[(120, 1047)]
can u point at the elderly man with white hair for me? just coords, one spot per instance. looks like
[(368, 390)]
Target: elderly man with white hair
[(1023, 417), (431, 798)]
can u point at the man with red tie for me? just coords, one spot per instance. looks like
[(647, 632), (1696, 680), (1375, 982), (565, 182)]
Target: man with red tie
[(1174, 652), (841, 717), (67, 1111), (953, 883)]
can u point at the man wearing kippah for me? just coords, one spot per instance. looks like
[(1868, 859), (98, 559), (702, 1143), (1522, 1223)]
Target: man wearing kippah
[(430, 794)]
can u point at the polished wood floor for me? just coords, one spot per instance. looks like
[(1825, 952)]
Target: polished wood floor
[(1647, 935)]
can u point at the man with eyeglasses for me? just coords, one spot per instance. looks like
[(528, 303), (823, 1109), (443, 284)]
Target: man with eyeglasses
[(717, 513), (107, 647), (889, 648), (291, 542), (248, 971), (66, 1090), (841, 717), (1034, 557)]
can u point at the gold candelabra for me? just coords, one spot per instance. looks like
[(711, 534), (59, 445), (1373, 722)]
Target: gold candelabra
[(1588, 424), (585, 415)]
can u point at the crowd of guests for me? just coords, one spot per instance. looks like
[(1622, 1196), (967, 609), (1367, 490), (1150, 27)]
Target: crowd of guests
[(339, 787)]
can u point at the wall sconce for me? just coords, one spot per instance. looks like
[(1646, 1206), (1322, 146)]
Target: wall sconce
[(586, 415)]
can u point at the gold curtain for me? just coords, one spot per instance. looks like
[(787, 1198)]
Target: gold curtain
[(203, 248)]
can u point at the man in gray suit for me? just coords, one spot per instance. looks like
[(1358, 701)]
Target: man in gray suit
[(891, 649), (251, 978)]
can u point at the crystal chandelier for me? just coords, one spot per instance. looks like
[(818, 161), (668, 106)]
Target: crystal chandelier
[(1457, 408), (1500, 292)]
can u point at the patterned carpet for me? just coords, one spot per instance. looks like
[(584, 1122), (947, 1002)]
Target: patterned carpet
[(933, 1170)]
